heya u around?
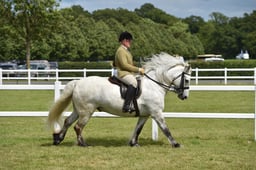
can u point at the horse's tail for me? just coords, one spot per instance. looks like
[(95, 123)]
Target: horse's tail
[(59, 106)]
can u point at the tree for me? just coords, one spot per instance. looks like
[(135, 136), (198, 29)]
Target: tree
[(102, 42), (247, 28), (77, 35), (194, 23), (219, 18), (157, 15), (123, 16), (32, 19)]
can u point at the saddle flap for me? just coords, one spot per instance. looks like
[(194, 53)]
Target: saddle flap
[(123, 90), (123, 86), (120, 83)]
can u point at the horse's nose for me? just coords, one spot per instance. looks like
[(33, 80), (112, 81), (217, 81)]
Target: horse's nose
[(183, 97)]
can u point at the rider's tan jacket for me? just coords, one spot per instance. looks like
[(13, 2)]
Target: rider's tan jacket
[(124, 62)]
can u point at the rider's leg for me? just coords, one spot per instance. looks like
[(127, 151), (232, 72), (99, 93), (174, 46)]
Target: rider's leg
[(129, 98), (132, 85)]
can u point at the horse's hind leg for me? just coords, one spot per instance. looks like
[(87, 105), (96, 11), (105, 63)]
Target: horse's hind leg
[(140, 124), (161, 123), (59, 137), (79, 128)]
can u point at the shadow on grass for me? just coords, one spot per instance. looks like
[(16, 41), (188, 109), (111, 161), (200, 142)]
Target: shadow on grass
[(108, 142)]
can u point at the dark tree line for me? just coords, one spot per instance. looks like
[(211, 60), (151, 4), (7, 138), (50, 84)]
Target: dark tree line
[(224, 35), (38, 29)]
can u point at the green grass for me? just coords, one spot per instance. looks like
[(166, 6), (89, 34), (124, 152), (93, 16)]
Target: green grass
[(26, 100), (210, 101), (26, 143)]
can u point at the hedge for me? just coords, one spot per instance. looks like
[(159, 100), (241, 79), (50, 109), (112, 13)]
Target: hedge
[(225, 64), (194, 64)]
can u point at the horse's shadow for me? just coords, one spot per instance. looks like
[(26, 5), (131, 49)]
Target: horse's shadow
[(108, 142)]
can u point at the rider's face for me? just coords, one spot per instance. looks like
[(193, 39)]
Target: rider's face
[(127, 43)]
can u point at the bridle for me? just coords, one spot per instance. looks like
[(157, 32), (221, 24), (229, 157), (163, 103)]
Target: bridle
[(172, 87)]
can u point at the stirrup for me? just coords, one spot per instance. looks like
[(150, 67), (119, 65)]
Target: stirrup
[(129, 108), (132, 108)]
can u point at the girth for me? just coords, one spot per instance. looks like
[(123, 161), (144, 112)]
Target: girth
[(123, 90)]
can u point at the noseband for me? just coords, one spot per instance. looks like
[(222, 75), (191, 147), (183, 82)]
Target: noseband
[(181, 88), (172, 87)]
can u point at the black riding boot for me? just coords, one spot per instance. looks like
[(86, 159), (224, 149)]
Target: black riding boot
[(128, 99)]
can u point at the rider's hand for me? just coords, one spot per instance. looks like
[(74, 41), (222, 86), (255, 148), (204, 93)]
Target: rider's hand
[(141, 71)]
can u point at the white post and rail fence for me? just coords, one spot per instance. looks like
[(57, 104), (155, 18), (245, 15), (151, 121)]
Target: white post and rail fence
[(225, 74), (57, 87)]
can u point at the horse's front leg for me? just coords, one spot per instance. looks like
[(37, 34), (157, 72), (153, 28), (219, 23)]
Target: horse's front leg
[(162, 125), (140, 124)]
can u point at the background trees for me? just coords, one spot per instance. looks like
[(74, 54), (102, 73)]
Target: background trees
[(40, 29), (30, 20), (223, 35)]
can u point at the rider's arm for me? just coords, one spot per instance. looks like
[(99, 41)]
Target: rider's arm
[(126, 62)]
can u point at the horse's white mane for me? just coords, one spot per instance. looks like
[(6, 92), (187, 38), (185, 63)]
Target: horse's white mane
[(162, 61)]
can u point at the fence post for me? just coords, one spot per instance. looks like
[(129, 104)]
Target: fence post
[(84, 72), (57, 74), (57, 90), (1, 76), (196, 76), (255, 104), (225, 76), (29, 77), (154, 130)]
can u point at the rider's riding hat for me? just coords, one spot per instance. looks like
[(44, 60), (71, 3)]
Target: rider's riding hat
[(125, 35)]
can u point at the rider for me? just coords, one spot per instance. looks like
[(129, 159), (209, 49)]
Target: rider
[(125, 68)]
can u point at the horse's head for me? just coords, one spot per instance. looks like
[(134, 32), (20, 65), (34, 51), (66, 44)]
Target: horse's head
[(171, 73), (181, 80)]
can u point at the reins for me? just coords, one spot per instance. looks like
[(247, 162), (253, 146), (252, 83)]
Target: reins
[(171, 87), (160, 84)]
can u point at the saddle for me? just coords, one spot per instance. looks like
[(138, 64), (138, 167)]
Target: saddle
[(123, 90)]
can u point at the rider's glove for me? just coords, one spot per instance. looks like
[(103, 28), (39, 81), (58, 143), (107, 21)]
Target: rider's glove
[(141, 71)]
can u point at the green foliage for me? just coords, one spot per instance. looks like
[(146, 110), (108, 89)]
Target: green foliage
[(224, 64), (226, 36), (150, 11), (31, 20), (195, 23), (74, 34), (123, 16)]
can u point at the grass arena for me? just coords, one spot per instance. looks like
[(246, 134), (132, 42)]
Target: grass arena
[(26, 143)]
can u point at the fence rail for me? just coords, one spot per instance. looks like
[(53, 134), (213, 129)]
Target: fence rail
[(57, 87), (54, 75)]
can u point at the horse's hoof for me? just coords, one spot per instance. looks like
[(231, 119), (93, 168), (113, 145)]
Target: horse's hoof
[(83, 144), (134, 144), (176, 145), (56, 139)]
